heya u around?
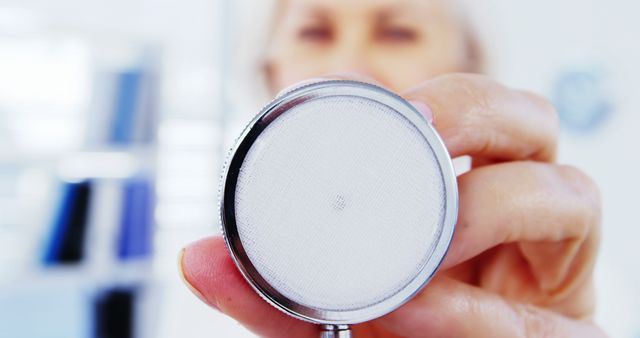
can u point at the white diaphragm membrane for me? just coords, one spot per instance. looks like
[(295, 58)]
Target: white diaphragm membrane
[(338, 205)]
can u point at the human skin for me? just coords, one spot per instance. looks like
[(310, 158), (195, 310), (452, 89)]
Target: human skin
[(522, 257), (398, 43)]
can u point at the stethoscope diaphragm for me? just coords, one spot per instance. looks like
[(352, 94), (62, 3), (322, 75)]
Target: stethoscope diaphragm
[(338, 203)]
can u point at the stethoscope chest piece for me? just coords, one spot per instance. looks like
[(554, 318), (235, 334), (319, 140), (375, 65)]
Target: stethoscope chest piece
[(338, 203)]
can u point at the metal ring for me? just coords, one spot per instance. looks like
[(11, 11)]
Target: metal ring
[(230, 176)]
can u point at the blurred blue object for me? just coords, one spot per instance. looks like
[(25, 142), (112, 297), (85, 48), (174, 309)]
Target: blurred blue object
[(581, 100), (67, 239), (136, 227), (114, 314), (127, 100), (130, 113)]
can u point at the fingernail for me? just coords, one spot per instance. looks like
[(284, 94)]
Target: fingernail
[(185, 279), (300, 84), (423, 109)]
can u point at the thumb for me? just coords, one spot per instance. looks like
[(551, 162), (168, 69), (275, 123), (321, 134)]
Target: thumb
[(449, 308), (210, 273)]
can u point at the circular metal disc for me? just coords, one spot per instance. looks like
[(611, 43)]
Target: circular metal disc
[(338, 202)]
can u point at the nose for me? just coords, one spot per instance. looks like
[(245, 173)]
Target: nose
[(352, 59), (353, 64), (358, 70)]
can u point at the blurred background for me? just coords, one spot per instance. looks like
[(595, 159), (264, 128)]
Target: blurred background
[(115, 117)]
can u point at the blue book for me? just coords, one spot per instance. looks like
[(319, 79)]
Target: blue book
[(136, 225), (114, 313), (127, 101), (67, 239)]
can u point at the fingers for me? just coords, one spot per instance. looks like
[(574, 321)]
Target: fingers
[(552, 211), (211, 274), (448, 308), (478, 117)]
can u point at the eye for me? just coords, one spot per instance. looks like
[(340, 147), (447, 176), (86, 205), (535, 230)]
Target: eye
[(315, 34), (397, 34)]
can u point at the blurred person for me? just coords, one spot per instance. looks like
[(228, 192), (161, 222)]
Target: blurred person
[(522, 257)]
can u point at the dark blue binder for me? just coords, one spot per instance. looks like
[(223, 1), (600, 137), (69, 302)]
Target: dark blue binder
[(66, 243)]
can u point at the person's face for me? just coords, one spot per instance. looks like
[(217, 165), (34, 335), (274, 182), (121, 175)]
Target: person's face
[(398, 43)]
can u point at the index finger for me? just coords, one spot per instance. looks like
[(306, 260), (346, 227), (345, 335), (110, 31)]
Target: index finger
[(478, 117)]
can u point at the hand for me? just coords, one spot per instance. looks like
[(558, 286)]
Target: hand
[(522, 257)]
